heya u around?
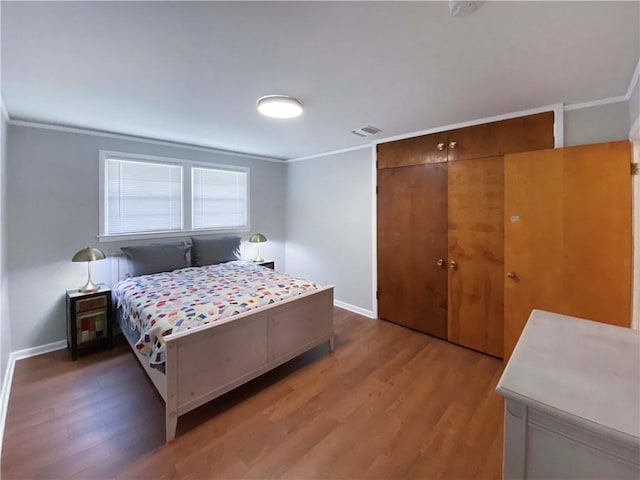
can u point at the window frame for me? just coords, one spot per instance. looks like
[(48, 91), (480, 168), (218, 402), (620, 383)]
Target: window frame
[(187, 197)]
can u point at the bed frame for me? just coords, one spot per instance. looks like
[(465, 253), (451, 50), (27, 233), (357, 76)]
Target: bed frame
[(207, 362)]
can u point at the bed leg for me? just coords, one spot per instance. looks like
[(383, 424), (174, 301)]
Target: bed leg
[(331, 343), (171, 425)]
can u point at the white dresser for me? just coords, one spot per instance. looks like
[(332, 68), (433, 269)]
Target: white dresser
[(572, 408)]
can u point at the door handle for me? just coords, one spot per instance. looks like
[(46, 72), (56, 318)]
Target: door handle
[(453, 264), (440, 262), (511, 275)]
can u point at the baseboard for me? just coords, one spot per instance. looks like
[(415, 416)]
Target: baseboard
[(39, 350), (354, 309), (4, 397)]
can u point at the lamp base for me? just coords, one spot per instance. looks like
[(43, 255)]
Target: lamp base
[(89, 287), (258, 259)]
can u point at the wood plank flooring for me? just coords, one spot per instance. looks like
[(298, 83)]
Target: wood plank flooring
[(388, 403)]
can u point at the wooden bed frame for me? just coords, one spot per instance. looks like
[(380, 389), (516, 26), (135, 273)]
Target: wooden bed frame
[(205, 363)]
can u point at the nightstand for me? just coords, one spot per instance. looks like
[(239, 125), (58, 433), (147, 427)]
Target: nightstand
[(89, 320), (271, 264)]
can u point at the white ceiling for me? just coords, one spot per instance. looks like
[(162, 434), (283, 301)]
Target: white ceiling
[(191, 72)]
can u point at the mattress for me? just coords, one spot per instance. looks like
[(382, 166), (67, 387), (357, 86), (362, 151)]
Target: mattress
[(170, 302)]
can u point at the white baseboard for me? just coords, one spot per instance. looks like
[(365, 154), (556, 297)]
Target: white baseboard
[(354, 309), (4, 397), (39, 350)]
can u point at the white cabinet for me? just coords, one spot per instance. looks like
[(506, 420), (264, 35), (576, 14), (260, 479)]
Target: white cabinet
[(572, 409)]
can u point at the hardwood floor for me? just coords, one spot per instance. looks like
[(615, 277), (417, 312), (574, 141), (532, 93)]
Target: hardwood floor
[(388, 403)]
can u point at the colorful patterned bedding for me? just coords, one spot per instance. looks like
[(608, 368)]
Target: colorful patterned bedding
[(164, 303)]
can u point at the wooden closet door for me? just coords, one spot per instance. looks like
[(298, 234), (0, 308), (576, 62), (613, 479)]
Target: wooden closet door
[(476, 282), (568, 235), (412, 237)]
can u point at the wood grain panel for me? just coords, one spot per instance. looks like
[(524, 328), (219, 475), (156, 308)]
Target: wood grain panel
[(472, 142), (524, 134), (534, 239), (571, 248), (413, 151), (475, 242), (597, 217), (412, 236)]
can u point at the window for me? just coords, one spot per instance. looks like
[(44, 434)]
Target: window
[(146, 197), (219, 198)]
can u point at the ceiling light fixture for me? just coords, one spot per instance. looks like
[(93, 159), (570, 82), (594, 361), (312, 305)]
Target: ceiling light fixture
[(279, 106)]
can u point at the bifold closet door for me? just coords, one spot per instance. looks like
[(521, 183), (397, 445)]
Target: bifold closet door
[(568, 235), (412, 247), (476, 254)]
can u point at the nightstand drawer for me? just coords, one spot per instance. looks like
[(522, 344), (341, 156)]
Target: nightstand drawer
[(89, 304), (90, 326)]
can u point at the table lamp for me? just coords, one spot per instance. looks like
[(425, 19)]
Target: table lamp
[(88, 255), (258, 238)]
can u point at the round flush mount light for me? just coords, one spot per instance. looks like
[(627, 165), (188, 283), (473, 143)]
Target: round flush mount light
[(279, 106)]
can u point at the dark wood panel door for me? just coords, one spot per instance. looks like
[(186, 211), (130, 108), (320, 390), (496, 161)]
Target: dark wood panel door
[(413, 151), (412, 238), (568, 235), (476, 248), (524, 134), (471, 142)]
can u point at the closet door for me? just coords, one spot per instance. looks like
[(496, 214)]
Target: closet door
[(412, 247), (476, 249), (568, 235)]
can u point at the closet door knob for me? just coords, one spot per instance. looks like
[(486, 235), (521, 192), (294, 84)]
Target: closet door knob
[(441, 146), (453, 264), (453, 144), (440, 262), (511, 274)]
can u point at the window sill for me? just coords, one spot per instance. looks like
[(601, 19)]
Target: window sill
[(172, 234)]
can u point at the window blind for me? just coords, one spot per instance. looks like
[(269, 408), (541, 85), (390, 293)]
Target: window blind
[(219, 198), (143, 197)]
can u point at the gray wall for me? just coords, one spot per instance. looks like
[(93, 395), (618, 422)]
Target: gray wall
[(5, 324), (329, 225), (604, 123), (52, 211)]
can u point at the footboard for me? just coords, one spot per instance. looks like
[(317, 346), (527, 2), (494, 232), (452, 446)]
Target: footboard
[(204, 364)]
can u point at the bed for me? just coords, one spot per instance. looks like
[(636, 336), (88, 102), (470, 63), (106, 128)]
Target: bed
[(191, 366)]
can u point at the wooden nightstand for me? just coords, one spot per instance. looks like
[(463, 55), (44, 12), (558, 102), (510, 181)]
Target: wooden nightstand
[(271, 264), (89, 320)]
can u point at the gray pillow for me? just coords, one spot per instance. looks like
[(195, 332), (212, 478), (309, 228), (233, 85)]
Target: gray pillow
[(148, 259), (212, 250)]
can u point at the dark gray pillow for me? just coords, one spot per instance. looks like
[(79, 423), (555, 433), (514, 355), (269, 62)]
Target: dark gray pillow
[(212, 250), (148, 259)]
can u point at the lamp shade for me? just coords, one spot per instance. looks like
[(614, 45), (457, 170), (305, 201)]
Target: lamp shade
[(88, 254), (257, 238)]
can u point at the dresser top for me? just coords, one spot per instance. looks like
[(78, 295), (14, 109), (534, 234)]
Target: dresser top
[(585, 371), (75, 293)]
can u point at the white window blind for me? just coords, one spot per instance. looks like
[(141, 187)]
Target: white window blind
[(142, 197), (219, 198)]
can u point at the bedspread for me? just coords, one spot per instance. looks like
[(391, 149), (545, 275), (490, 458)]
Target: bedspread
[(164, 303)]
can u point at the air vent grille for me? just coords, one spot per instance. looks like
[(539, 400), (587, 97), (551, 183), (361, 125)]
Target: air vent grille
[(366, 131)]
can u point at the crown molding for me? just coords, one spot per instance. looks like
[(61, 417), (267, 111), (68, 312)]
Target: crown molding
[(634, 81), (595, 103), (606, 101), (154, 141), (332, 152)]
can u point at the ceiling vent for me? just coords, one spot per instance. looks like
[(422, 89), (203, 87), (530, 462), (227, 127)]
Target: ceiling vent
[(460, 8), (367, 131)]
